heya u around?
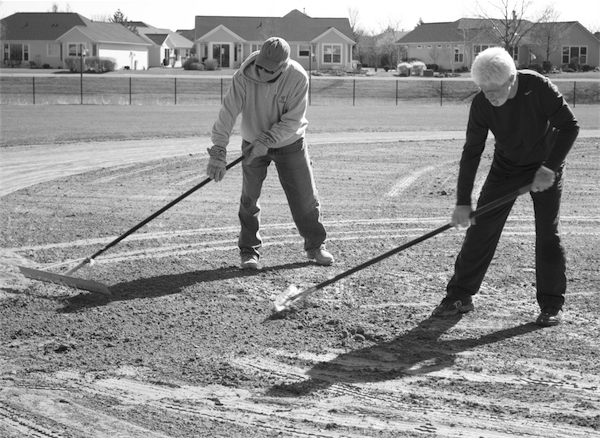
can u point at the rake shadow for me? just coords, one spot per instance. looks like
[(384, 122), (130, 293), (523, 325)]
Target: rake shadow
[(419, 351), (163, 285)]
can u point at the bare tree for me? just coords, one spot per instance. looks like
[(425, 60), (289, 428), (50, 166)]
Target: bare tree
[(507, 24), (548, 33), (101, 18), (56, 8)]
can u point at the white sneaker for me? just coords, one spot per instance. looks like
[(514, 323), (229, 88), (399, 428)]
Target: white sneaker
[(321, 256), (249, 261)]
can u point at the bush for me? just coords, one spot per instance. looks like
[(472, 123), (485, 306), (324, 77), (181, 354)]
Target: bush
[(187, 65), (196, 66), (536, 67), (211, 64), (418, 67), (586, 67), (547, 66), (433, 67), (73, 63)]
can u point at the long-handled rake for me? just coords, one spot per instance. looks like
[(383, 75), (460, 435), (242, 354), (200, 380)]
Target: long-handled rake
[(293, 295), (93, 286)]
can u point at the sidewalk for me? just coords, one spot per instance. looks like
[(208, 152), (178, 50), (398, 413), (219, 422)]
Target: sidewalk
[(24, 166)]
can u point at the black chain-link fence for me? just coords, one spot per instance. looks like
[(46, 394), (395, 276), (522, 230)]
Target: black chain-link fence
[(90, 90)]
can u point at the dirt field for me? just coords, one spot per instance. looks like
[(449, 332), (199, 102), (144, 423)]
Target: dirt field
[(187, 345)]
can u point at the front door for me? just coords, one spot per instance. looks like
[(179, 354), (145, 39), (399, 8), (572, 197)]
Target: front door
[(221, 54)]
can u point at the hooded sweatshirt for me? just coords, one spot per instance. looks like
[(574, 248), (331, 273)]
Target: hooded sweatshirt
[(273, 112)]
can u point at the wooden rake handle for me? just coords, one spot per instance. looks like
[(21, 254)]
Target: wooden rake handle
[(149, 218)]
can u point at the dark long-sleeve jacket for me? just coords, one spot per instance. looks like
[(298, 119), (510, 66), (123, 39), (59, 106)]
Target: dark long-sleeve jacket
[(536, 127)]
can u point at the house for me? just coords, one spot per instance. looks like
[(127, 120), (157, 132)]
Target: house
[(168, 48), (230, 40), (454, 45), (107, 40), (38, 39)]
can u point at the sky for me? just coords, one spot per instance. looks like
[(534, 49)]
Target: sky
[(373, 15)]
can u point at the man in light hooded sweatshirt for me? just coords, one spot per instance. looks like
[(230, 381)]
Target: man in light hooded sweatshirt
[(270, 90)]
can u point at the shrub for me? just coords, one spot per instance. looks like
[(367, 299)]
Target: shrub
[(404, 68), (547, 66), (433, 67), (73, 63), (585, 67), (187, 65), (46, 66), (211, 64), (196, 66), (536, 67), (418, 67)]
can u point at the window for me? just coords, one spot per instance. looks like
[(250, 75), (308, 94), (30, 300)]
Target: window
[(458, 55), (53, 50), (477, 48), (429, 46), (516, 53), (570, 52), (16, 52), (439, 46), (303, 50), (332, 53), (75, 49), (419, 46), (256, 47)]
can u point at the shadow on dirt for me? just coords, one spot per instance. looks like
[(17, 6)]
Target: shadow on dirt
[(419, 351), (164, 285)]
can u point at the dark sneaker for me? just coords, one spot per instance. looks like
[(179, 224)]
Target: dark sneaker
[(452, 306), (549, 317), (321, 256), (249, 261)]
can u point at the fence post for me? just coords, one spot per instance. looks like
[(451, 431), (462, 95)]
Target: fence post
[(397, 80), (441, 92), (175, 91), (33, 78), (130, 90), (354, 92), (574, 93), (221, 90)]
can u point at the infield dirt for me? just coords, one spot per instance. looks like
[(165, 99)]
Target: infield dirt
[(186, 345)]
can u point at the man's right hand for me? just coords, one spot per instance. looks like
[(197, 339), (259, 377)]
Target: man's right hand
[(461, 217), (217, 163)]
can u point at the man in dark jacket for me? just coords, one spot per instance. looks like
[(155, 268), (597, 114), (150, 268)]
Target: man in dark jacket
[(534, 130)]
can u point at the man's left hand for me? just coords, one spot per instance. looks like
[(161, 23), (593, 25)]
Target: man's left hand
[(543, 180), (254, 150)]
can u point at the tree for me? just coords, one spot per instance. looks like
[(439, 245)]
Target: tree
[(548, 34), (119, 17), (56, 8), (511, 27)]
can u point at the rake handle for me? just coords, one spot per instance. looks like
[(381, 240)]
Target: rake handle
[(496, 203), (151, 217)]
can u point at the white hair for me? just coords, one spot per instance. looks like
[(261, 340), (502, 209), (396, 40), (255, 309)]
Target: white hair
[(493, 66)]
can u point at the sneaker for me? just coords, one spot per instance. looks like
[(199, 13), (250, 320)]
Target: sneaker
[(549, 317), (249, 261), (452, 306), (321, 256)]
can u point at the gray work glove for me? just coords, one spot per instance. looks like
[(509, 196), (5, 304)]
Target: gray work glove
[(254, 150), (217, 163)]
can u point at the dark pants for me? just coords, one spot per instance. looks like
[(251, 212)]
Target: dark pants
[(296, 177), (482, 238)]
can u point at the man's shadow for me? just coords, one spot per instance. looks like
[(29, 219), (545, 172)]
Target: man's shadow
[(419, 351), (163, 285)]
